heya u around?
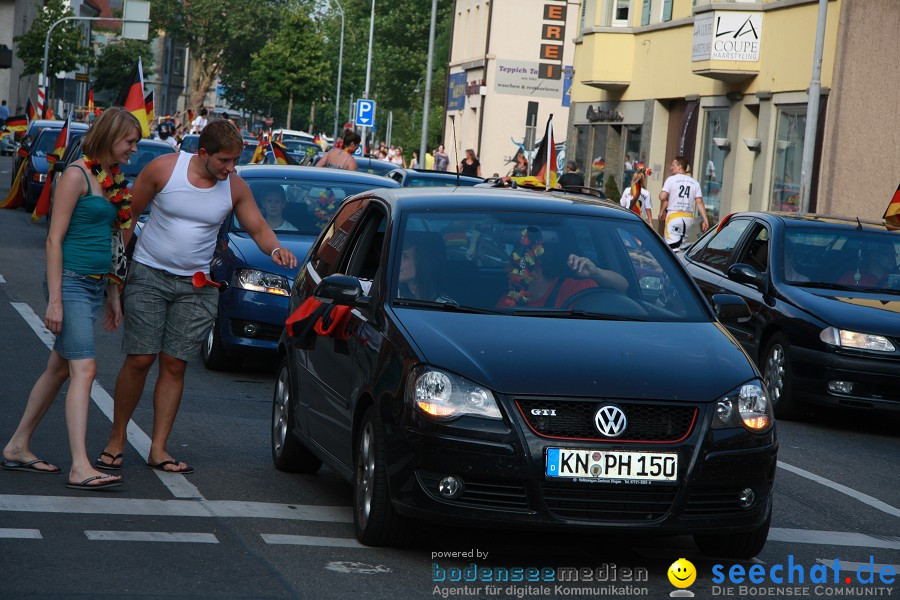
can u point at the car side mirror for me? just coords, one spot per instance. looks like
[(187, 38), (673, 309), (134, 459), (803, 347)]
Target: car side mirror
[(343, 290), (731, 308), (744, 273)]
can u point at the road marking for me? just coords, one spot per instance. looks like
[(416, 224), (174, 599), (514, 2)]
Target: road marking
[(2, 280), (855, 566), (859, 496), (20, 534), (151, 536), (356, 567), (178, 485), (308, 540), (833, 538), (175, 508)]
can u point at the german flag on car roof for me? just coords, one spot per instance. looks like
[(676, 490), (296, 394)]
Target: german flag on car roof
[(17, 123), (281, 155), (132, 97), (43, 204), (892, 214)]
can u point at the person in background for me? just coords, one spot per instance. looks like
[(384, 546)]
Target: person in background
[(414, 161), (166, 316), (429, 160), (678, 199), (342, 158), (521, 167), (422, 264), (4, 113), (272, 199), (441, 159), (645, 208), (470, 165), (571, 178), (200, 121), (79, 256)]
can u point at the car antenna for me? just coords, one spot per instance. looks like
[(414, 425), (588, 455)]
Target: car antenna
[(455, 150), (858, 224)]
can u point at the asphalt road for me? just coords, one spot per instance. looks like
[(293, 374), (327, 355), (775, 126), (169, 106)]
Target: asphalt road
[(238, 528)]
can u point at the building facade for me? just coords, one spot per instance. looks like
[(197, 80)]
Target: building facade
[(507, 75), (726, 84)]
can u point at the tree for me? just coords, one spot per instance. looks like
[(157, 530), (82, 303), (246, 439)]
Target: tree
[(66, 50), (292, 64), (116, 61), (216, 31)]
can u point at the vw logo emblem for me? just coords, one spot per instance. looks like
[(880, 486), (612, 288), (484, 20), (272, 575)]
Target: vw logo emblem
[(610, 421)]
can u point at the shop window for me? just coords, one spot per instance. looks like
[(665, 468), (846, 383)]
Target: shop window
[(712, 163), (582, 148), (634, 157), (599, 135), (789, 131)]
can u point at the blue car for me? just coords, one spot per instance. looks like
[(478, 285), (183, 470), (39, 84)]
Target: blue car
[(253, 309), (37, 166)]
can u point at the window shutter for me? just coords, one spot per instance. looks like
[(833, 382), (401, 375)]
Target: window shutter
[(645, 13)]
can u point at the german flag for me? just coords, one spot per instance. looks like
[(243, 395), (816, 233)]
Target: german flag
[(260, 153), (148, 106), (90, 107), (544, 164), (16, 196), (49, 114), (637, 206), (30, 111), (17, 123), (892, 214), (132, 97), (43, 204), (281, 155)]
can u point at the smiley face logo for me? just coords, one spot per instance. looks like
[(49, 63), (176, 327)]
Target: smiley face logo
[(682, 573)]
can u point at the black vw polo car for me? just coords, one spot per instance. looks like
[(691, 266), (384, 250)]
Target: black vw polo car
[(824, 294), (511, 358)]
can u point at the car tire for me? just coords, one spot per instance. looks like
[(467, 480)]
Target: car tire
[(376, 521), (288, 453), (213, 354), (778, 375), (735, 545)]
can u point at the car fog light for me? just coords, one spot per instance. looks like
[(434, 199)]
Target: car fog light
[(450, 487), (840, 387), (250, 329), (746, 498)]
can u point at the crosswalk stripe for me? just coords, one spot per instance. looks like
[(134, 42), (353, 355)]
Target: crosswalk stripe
[(308, 540), (833, 538), (151, 536), (856, 495), (175, 508), (20, 534)]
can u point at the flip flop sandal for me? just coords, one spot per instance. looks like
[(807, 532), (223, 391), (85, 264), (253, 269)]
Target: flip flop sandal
[(108, 466), (85, 485)]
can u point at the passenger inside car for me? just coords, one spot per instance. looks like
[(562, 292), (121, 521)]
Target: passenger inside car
[(876, 263), (272, 201), (423, 263)]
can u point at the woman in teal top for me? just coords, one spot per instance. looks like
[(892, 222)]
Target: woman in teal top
[(90, 200)]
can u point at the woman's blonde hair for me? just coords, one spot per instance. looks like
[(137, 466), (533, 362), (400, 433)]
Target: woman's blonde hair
[(113, 124)]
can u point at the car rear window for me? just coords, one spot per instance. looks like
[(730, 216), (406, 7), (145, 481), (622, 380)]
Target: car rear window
[(482, 259)]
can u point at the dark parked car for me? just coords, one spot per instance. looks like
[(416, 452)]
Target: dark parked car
[(424, 178), (253, 309), (190, 143), (36, 167), (498, 389), (824, 294), (377, 166)]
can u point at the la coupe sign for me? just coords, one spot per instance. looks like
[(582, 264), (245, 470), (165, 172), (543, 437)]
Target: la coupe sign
[(727, 36)]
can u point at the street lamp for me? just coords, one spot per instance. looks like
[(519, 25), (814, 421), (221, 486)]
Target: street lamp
[(337, 101), (426, 100), (369, 68)]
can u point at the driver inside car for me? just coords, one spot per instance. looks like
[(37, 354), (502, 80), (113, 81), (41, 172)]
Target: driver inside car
[(545, 275)]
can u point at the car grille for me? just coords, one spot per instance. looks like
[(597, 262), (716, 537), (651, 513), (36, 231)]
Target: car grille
[(608, 502), (479, 493), (574, 419), (714, 502)]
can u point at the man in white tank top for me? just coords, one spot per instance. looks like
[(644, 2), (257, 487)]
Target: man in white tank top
[(678, 199), (165, 315)]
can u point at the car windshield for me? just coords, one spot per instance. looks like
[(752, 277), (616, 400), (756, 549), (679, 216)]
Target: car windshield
[(299, 207), (540, 265), (301, 147), (853, 259), (141, 158), (414, 180), (247, 154), (190, 143), (45, 142)]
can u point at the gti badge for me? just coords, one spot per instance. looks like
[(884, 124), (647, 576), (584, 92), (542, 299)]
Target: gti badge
[(610, 421), (543, 412)]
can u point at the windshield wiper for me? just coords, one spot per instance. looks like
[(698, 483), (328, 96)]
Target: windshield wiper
[(849, 288), (445, 306), (574, 314)]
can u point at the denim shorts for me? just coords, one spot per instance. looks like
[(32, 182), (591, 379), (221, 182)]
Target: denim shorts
[(82, 297), (166, 313)]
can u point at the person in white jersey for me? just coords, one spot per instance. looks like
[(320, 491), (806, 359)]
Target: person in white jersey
[(165, 315), (677, 200)]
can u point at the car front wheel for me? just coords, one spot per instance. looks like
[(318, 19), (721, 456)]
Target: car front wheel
[(288, 453), (375, 520), (778, 375)]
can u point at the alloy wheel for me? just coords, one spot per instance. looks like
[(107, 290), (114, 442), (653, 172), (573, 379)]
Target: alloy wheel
[(774, 374), (365, 474), (280, 411)]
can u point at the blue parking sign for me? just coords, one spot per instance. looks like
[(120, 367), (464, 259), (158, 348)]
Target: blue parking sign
[(365, 113)]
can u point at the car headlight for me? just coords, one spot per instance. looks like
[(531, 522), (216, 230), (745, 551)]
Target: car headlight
[(260, 281), (747, 406), (444, 396), (854, 339)]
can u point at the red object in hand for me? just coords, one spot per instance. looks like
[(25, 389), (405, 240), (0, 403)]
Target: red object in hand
[(200, 279)]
